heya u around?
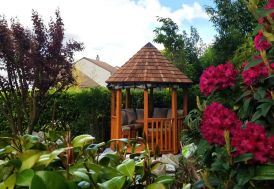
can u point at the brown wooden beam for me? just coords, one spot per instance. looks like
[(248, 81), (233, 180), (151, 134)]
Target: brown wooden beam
[(118, 113), (113, 111), (150, 103), (174, 118)]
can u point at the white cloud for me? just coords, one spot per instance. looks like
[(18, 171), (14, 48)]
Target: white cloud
[(114, 29)]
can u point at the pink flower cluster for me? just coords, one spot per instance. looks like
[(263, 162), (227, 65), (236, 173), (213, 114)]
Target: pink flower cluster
[(217, 119), (270, 5), (254, 73), (217, 78), (271, 143), (260, 42), (252, 139)]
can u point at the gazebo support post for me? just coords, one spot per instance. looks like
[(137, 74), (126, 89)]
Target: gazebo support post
[(174, 121), (146, 114), (118, 113), (150, 103), (113, 122), (128, 98), (185, 101)]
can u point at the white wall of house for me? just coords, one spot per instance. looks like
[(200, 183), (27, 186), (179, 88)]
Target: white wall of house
[(95, 72)]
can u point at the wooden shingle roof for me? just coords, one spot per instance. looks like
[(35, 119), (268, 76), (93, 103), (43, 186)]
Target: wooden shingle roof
[(148, 67)]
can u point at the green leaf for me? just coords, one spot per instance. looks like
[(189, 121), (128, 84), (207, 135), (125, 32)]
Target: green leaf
[(10, 182), (259, 94), (124, 140), (52, 180), (2, 185), (46, 159), (94, 147), (165, 179), (265, 107), (84, 184), (24, 178), (246, 93), (262, 12), (270, 80), (127, 167), (269, 36), (29, 158), (81, 175), (264, 172), (37, 182), (82, 140), (29, 141), (114, 183), (246, 106), (253, 63), (257, 29), (155, 186), (256, 115), (243, 158), (15, 162)]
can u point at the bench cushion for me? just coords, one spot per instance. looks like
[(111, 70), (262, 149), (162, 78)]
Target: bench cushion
[(140, 114), (131, 115), (160, 112)]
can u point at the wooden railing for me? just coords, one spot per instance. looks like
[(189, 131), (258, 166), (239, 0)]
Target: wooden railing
[(160, 132)]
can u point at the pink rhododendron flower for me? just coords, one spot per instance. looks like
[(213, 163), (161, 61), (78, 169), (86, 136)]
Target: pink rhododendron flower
[(260, 42), (270, 5), (217, 119), (271, 143), (217, 78), (271, 66), (252, 74), (252, 139)]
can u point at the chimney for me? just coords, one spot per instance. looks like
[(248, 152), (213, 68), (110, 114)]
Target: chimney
[(97, 57)]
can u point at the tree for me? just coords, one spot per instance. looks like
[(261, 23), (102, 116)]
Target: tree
[(233, 23), (180, 48), (33, 62)]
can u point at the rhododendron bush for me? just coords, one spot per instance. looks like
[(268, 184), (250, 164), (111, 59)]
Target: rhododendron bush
[(237, 126)]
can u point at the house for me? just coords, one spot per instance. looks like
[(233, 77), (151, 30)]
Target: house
[(92, 73)]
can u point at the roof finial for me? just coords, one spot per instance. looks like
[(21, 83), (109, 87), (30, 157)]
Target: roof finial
[(149, 45)]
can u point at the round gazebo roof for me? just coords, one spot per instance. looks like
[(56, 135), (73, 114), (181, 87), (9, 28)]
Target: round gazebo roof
[(148, 68)]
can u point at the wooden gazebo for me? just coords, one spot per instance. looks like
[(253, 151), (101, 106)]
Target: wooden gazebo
[(146, 70)]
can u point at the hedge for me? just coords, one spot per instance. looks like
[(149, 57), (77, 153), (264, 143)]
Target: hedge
[(88, 110)]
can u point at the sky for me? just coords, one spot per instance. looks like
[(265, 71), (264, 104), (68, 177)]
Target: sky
[(114, 29)]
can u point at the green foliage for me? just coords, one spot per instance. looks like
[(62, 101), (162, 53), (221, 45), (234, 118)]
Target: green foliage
[(233, 23), (81, 110), (49, 164), (181, 49)]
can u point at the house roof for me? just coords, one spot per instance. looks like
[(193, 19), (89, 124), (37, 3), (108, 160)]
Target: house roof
[(148, 67), (84, 81), (101, 64)]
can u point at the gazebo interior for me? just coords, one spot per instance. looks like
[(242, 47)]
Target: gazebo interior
[(148, 70)]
